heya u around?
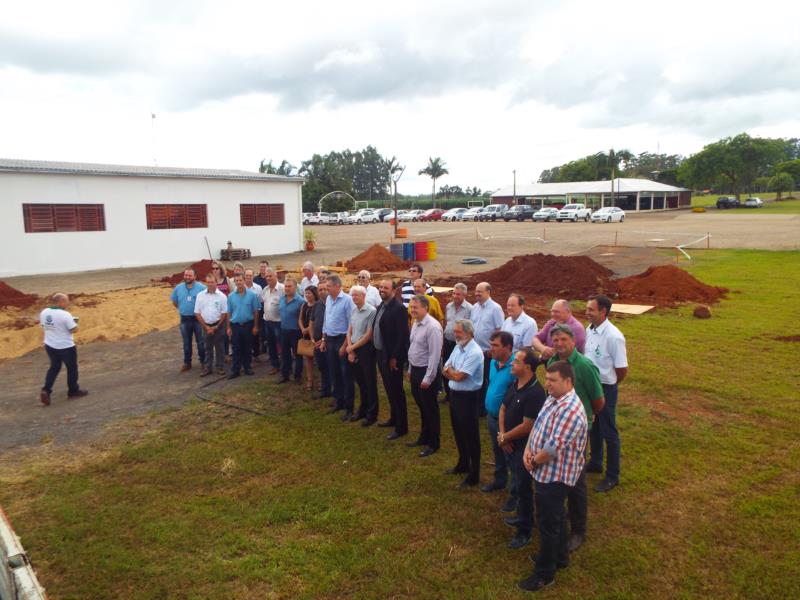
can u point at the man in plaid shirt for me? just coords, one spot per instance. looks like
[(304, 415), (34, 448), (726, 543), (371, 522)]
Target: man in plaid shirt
[(555, 458)]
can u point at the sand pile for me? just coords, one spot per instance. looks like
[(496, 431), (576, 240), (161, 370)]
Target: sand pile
[(10, 296), (376, 259), (667, 285), (201, 269)]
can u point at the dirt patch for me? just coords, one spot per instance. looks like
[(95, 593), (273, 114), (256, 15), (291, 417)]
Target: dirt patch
[(376, 259), (201, 269), (10, 296), (788, 338), (667, 285)]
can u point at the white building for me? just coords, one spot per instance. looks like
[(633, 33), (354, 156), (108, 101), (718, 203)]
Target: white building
[(59, 217), (628, 194)]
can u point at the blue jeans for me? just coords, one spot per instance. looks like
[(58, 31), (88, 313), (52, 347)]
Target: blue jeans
[(343, 389), (190, 326), (273, 333), (605, 430), (289, 339), (502, 462), (68, 357)]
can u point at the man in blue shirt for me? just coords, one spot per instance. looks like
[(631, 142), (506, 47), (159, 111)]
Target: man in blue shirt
[(487, 317), (243, 307), (464, 372), (183, 297), (338, 310), (500, 345), (289, 306)]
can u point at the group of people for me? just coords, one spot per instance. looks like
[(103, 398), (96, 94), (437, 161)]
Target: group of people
[(482, 359)]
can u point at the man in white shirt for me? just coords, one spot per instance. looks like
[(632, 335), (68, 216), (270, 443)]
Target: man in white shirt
[(518, 323), (271, 299), (58, 326), (605, 347), (309, 277), (211, 309), (373, 296), (459, 308)]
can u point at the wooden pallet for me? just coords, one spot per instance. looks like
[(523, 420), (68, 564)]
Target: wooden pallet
[(234, 254)]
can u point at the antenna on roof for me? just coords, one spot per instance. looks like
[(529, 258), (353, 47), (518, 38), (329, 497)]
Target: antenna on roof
[(153, 136)]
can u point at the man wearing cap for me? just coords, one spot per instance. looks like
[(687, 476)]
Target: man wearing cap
[(58, 326), (183, 298)]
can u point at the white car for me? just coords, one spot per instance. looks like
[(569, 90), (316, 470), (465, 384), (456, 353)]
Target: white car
[(609, 214), (754, 203), (411, 215), (364, 215), (390, 216), (307, 218), (472, 214), (573, 212), (320, 218), (339, 218), (454, 214), (546, 214)]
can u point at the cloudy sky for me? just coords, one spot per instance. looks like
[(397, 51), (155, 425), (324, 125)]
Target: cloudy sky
[(489, 86)]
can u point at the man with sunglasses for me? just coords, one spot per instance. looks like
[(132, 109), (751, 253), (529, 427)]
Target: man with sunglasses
[(373, 296), (407, 289)]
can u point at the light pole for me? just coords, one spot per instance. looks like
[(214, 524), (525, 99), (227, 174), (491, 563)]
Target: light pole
[(395, 179), (515, 186)]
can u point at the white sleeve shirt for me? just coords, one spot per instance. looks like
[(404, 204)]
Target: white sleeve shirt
[(606, 348), (58, 325), (211, 306)]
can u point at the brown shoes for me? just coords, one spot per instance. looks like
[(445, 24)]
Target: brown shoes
[(205, 372), (45, 398), (273, 371), (185, 367)]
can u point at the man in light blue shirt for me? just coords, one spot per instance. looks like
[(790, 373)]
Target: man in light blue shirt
[(183, 298), (487, 316), (464, 372), (338, 310), (289, 306), (519, 324), (243, 306)]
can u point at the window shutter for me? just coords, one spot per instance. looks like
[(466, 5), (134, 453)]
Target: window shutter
[(91, 217), (196, 215), (66, 217), (177, 216), (38, 218), (157, 216), (247, 215), (276, 214)]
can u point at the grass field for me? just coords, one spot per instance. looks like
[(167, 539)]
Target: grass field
[(790, 206), (214, 503)]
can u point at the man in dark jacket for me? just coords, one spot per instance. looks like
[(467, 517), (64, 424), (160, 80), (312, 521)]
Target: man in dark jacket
[(390, 338)]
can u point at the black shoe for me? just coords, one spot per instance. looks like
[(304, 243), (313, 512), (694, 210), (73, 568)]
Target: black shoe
[(575, 541), (510, 505), (394, 436), (466, 484), (354, 418), (488, 488), (513, 521), (593, 468), (233, 375), (427, 452), (412, 444), (367, 422), (455, 471), (347, 416), (249, 372), (606, 485), (535, 584), (519, 541), (535, 557), (78, 394), (388, 423)]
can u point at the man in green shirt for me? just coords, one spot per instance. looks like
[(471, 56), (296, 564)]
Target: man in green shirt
[(590, 391)]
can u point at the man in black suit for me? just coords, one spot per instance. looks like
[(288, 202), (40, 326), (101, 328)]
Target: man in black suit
[(390, 338)]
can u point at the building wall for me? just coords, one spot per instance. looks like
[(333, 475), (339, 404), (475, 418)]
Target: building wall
[(127, 242)]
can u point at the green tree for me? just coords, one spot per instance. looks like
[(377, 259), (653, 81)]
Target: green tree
[(792, 167), (782, 182), (435, 169), (285, 168), (761, 184)]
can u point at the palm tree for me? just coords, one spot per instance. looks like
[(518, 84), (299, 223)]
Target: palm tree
[(436, 168), (395, 170)]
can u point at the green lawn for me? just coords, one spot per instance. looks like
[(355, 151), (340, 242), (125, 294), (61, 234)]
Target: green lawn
[(791, 206), (222, 504)]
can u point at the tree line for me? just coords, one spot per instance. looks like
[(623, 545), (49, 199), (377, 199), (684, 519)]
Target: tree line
[(734, 165)]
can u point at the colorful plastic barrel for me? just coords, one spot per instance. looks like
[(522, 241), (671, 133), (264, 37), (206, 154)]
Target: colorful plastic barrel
[(396, 249), (431, 250), (422, 251), (408, 251)]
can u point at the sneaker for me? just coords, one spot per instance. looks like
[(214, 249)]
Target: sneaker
[(575, 541), (535, 584)]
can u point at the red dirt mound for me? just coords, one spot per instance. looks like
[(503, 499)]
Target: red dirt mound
[(667, 285), (201, 269), (376, 259), (10, 296)]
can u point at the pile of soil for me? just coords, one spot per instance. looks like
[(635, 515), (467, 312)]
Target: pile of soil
[(201, 269), (376, 259), (667, 285), (10, 296)]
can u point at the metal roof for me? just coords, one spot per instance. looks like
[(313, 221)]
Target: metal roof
[(10, 165), (621, 186)]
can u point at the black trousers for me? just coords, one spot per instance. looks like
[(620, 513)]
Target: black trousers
[(339, 371), (578, 505), (258, 341), (524, 488), (367, 379), (67, 356), (395, 392), (466, 430), (428, 407), (487, 362), (447, 350), (552, 528), (242, 340), (289, 355)]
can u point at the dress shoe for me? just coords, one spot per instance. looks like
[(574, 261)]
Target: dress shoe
[(417, 443), (78, 394), (512, 521), (356, 417), (606, 485), (519, 541), (455, 471), (427, 452), (575, 541), (388, 423), (347, 416), (274, 370), (205, 372), (534, 583), (233, 375), (249, 372), (394, 436), (220, 371), (185, 367), (45, 398), (488, 488), (593, 468), (466, 484), (367, 422), (559, 565), (510, 505)]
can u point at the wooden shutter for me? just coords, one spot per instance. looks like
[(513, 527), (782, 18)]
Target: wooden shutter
[(91, 217), (196, 215), (157, 216), (247, 215), (65, 217), (276, 214), (38, 218)]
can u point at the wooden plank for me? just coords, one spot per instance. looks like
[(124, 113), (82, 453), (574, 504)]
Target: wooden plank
[(631, 309)]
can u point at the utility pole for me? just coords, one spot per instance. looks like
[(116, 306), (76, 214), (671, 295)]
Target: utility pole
[(515, 186), (395, 179)]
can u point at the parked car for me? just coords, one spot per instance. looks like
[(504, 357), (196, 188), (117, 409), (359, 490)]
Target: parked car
[(753, 203), (454, 214), (411, 215), (382, 212), (493, 212), (520, 212), (727, 202), (307, 218), (472, 214), (547, 213), (573, 212), (339, 218), (432, 214), (390, 216), (608, 214), (363, 215), (319, 218)]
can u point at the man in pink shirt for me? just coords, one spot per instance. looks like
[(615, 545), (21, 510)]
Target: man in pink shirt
[(561, 312)]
